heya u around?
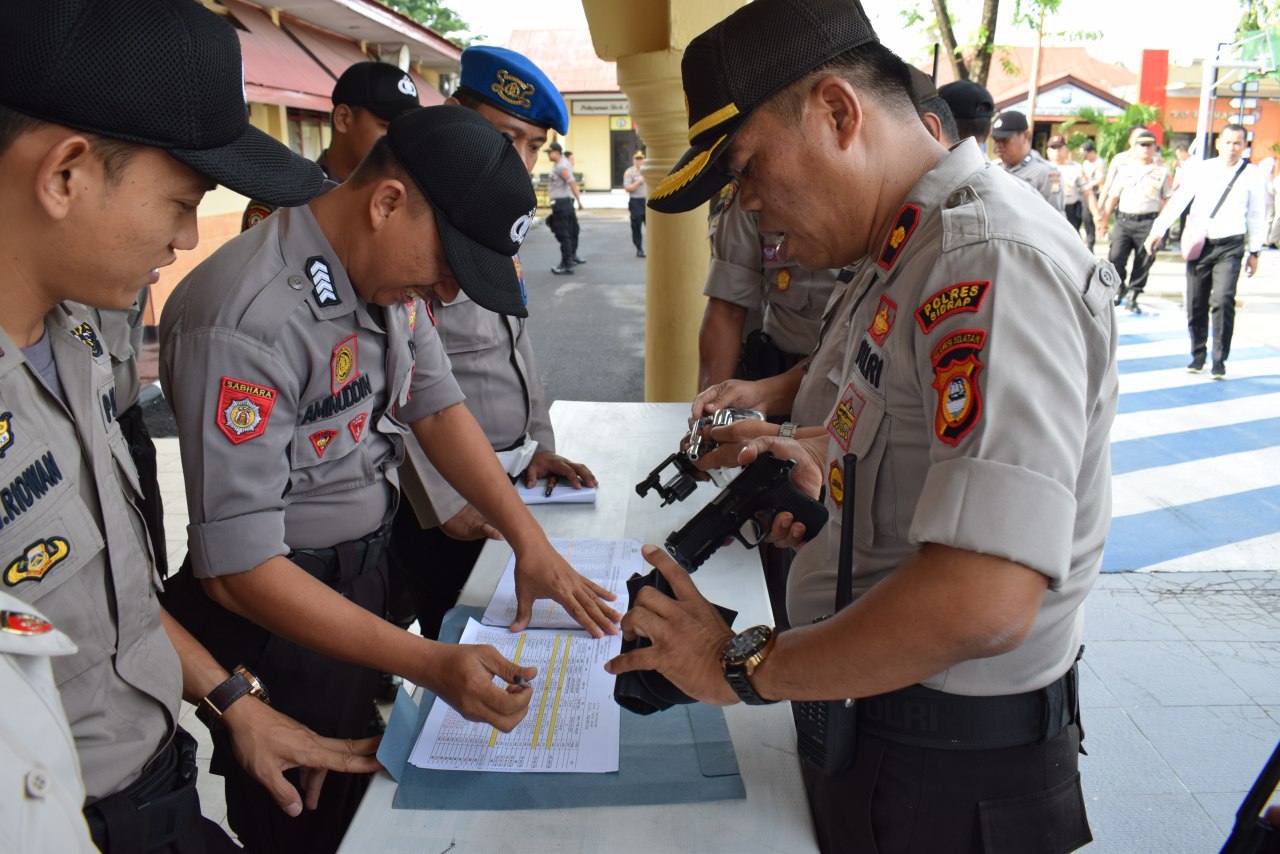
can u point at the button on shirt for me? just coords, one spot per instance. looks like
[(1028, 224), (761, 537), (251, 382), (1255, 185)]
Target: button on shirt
[(291, 396), (745, 271), (73, 544), (975, 424), (1243, 211)]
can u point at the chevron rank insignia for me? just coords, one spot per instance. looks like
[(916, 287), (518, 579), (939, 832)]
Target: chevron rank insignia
[(322, 281)]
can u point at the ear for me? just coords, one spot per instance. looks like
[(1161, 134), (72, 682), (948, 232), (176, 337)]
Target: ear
[(933, 125), (840, 109), (342, 118), (68, 170), (387, 199)]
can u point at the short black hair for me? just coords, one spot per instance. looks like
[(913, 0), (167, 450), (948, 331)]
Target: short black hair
[(871, 68), (381, 162), (979, 129), (114, 154), (1234, 127), (940, 108)]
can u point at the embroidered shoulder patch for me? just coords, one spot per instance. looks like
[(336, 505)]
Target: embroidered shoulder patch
[(320, 440), (254, 214), (343, 365), (845, 416), (356, 425), (243, 409), (36, 561), (6, 432), (89, 336), (882, 323), (963, 296), (955, 369), (903, 226), (321, 281)]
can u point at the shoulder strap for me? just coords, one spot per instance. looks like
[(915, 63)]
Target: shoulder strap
[(1230, 184)]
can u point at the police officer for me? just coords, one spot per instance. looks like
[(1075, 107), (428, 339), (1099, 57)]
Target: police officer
[(1137, 193), (1013, 145), (297, 358), (973, 108), (637, 190), (1079, 204), (563, 220), (964, 630), (103, 158), (366, 98), (438, 536)]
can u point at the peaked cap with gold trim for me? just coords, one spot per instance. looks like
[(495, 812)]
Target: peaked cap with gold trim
[(510, 82), (737, 65)]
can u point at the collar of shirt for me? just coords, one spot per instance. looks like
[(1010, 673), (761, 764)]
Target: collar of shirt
[(301, 241)]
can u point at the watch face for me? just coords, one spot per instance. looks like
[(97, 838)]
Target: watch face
[(745, 644)]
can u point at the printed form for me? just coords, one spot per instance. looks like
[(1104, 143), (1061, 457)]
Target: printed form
[(572, 724), (608, 563)]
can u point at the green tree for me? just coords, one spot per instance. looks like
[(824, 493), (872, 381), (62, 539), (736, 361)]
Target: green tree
[(437, 16), (970, 60), (1113, 133)]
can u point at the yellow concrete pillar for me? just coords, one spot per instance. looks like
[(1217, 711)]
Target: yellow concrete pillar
[(647, 39)]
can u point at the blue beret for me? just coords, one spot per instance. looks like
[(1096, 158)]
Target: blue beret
[(513, 84)]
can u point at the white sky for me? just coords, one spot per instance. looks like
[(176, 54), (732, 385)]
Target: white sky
[(1127, 26)]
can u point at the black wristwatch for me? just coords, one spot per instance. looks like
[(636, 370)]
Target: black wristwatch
[(742, 654), (214, 705)]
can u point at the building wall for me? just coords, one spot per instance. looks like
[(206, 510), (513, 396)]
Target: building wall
[(1184, 113)]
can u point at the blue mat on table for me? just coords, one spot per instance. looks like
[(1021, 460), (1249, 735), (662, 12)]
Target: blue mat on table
[(680, 756)]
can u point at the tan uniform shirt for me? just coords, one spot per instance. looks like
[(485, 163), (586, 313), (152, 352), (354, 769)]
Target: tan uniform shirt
[(975, 423), (121, 332), (42, 796), (561, 179), (74, 545), (746, 272), (291, 396), (494, 365), (1042, 175), (1073, 181), (1141, 187)]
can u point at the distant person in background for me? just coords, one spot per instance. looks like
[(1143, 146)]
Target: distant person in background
[(633, 183), (972, 107), (1095, 172), (1077, 198), (1013, 144), (1137, 192), (563, 220)]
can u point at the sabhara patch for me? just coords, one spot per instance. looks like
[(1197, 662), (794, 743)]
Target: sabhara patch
[(835, 484), (882, 323), (6, 432), (244, 409), (37, 560), (343, 366), (845, 416), (903, 227), (320, 440), (960, 297), (956, 368), (356, 425)]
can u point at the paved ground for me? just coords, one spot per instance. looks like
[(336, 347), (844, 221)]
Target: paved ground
[(1180, 690)]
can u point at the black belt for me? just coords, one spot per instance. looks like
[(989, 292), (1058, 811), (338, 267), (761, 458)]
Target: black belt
[(1233, 240), (924, 717), (568, 199), (156, 809), (324, 564), (1137, 217)]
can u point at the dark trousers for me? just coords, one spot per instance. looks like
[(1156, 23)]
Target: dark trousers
[(1078, 214), (901, 799), (637, 208), (143, 451), (429, 568), (1211, 297), (1128, 237), (334, 698), (564, 225)]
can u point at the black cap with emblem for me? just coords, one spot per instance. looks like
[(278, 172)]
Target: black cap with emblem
[(161, 73), (968, 100), (1008, 123), (736, 66), (480, 192), (379, 87)]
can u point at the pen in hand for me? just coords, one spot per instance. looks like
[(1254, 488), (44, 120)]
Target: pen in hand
[(551, 484)]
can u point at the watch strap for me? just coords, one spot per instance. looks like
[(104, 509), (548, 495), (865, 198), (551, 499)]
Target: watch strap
[(214, 705), (738, 680)]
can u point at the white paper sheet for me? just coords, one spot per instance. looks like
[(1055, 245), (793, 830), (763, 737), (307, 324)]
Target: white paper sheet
[(608, 563), (572, 724), (562, 493)]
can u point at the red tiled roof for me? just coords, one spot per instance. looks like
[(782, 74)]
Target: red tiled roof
[(1055, 64), (568, 58), (276, 70)]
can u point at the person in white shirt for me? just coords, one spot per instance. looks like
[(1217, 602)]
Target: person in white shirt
[(1240, 218)]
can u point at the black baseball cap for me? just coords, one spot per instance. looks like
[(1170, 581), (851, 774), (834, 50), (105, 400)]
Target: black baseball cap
[(163, 73), (1008, 123), (481, 194), (378, 87), (737, 65), (1057, 141), (968, 100)]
